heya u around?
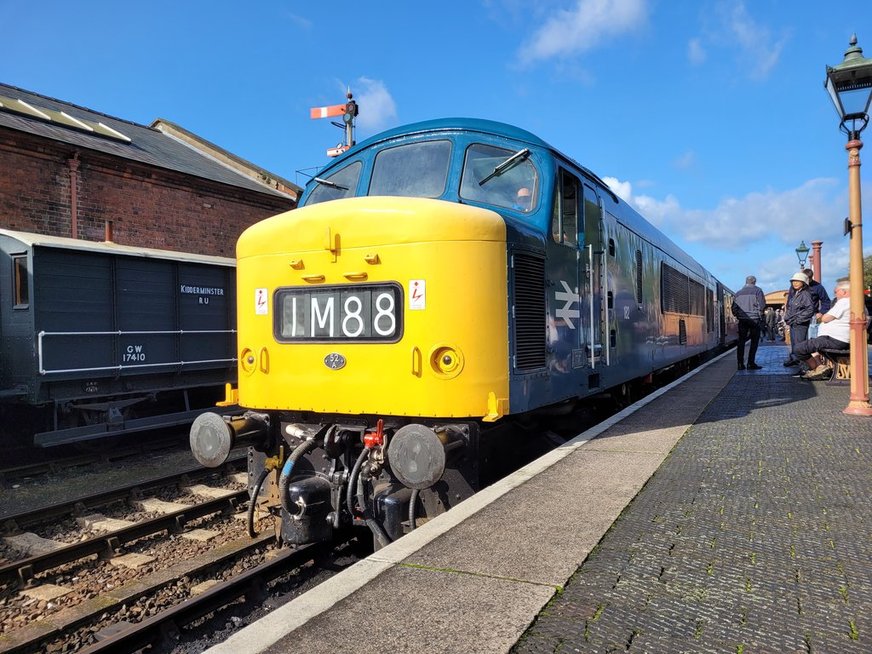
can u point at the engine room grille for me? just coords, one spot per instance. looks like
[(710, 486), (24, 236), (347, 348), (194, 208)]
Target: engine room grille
[(529, 311)]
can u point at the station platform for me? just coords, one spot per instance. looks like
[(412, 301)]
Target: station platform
[(727, 512)]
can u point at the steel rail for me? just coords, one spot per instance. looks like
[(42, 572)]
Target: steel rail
[(105, 544), (33, 637), (249, 583), (77, 505)]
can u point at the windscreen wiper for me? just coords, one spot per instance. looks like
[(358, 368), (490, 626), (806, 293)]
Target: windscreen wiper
[(499, 169), (327, 182)]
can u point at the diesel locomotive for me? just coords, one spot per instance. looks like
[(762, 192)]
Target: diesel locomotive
[(439, 282)]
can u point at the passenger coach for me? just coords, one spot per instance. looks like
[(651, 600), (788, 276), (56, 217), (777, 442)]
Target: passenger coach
[(438, 281)]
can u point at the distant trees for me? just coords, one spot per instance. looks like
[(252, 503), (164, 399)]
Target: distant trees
[(867, 272)]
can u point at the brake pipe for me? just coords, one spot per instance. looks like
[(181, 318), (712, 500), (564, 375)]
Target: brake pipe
[(352, 481), (268, 466), (374, 526), (412, 501), (285, 477)]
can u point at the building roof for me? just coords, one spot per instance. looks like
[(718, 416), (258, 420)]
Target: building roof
[(29, 112), (29, 240)]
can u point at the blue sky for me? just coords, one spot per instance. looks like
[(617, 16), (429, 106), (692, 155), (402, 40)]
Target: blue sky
[(709, 116)]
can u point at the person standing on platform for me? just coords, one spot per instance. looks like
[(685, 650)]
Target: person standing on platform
[(798, 314), (771, 320), (748, 306)]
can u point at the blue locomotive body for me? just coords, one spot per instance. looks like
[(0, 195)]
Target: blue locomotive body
[(598, 296)]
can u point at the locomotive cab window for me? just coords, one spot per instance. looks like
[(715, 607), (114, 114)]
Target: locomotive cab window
[(413, 170), (564, 218), (501, 177), (20, 282), (341, 184)]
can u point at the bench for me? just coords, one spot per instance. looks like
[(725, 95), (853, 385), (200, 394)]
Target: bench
[(841, 362)]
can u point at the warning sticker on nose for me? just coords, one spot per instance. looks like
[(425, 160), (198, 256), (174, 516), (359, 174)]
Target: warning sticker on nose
[(417, 295), (261, 302)]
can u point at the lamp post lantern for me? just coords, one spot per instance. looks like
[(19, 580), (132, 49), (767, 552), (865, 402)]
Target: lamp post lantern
[(802, 254), (850, 87)]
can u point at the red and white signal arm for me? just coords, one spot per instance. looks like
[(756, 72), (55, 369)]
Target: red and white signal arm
[(326, 112)]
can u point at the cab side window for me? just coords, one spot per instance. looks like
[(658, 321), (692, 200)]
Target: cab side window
[(564, 217), (341, 184)]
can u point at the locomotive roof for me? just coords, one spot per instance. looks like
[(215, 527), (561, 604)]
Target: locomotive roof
[(107, 247), (622, 210), (464, 124)]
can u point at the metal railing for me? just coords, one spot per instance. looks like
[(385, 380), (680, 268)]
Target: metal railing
[(117, 334)]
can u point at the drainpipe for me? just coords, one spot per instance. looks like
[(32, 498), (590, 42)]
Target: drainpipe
[(74, 194)]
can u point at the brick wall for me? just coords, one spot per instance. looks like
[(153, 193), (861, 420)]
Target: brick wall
[(147, 206)]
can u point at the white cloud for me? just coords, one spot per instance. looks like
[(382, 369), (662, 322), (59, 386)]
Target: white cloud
[(299, 21), (733, 29), (377, 107), (755, 41), (696, 54), (804, 212), (624, 190), (756, 234), (583, 27), (686, 161)]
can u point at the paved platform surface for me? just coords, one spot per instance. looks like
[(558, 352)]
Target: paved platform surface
[(755, 535), (727, 514)]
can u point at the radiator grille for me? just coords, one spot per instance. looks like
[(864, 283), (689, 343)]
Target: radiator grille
[(529, 311)]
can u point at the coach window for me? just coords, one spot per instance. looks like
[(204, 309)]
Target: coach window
[(564, 219), (21, 286), (639, 277), (417, 170), (505, 178), (341, 184)]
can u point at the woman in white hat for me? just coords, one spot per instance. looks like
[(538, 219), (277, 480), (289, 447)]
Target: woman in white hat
[(798, 315)]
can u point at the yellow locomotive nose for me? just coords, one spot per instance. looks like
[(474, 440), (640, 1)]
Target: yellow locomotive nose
[(395, 306)]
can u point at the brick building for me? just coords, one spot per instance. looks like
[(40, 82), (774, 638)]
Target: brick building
[(70, 171)]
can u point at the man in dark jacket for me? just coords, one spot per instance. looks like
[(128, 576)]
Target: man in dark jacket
[(798, 314), (748, 306)]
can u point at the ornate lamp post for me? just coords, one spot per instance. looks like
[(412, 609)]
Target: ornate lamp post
[(802, 254), (850, 87)]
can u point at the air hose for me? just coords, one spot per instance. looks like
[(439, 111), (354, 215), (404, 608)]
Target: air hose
[(252, 504), (412, 502), (371, 522), (285, 477), (352, 481)]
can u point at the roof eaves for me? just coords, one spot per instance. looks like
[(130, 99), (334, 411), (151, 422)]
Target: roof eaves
[(227, 159)]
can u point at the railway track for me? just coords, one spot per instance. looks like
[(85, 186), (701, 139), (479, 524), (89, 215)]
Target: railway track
[(251, 584), (139, 582), (41, 577), (48, 462)]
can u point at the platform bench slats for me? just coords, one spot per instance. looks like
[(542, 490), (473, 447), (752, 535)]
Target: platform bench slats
[(841, 360)]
